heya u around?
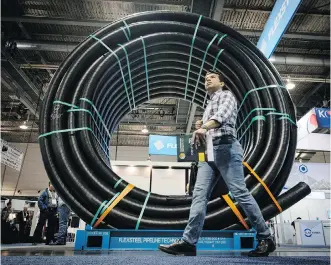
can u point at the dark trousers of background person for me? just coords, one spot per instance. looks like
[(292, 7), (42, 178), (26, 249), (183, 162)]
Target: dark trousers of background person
[(49, 215), (9, 233), (64, 213), (5, 232), (22, 232)]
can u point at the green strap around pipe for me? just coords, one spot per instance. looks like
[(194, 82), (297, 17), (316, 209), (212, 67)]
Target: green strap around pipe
[(285, 116), (119, 63), (142, 210), (125, 33), (76, 108), (129, 72), (127, 28), (257, 89), (256, 109), (256, 118), (288, 118), (75, 130), (190, 58), (146, 69), (216, 59), (97, 213), (221, 38), (277, 113), (95, 122), (97, 112), (109, 203), (201, 67), (117, 183), (65, 103)]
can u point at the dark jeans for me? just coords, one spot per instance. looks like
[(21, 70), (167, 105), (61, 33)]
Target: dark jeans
[(49, 215), (64, 213), (228, 163), (5, 232)]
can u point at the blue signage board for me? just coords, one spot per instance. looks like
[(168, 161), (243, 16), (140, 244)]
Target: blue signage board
[(323, 117), (162, 145), (277, 23), (152, 243), (128, 239)]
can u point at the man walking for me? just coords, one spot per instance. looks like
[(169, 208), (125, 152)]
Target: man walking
[(219, 120)]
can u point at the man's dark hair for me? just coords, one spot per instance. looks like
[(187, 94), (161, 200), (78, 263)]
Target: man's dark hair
[(211, 71)]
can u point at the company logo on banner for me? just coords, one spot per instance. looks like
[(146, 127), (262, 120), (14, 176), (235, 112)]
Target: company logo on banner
[(303, 169), (323, 117), (312, 233), (279, 19), (308, 232), (308, 125), (162, 145)]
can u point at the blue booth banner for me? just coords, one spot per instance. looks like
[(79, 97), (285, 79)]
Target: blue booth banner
[(309, 126), (278, 21), (323, 117), (163, 145), (127, 239)]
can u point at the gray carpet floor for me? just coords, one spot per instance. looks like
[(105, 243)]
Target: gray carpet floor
[(126, 258)]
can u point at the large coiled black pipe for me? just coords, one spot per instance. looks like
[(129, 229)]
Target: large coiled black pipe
[(160, 43)]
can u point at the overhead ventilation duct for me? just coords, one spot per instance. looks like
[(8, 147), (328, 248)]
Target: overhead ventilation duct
[(144, 57), (300, 60), (45, 46)]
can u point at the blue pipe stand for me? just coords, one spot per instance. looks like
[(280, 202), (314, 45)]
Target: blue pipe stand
[(107, 239)]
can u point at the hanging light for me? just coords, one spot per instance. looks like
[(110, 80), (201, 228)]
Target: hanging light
[(289, 84), (145, 130), (24, 126)]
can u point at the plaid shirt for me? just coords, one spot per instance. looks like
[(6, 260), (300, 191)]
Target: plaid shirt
[(222, 107)]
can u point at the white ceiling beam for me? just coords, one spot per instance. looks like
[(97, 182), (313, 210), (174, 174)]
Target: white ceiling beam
[(218, 10)]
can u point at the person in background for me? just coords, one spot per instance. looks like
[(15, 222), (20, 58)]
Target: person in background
[(64, 214), (6, 212), (47, 204), (5, 224), (23, 219), (293, 224)]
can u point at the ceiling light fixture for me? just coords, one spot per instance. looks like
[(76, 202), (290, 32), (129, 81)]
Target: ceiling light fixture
[(145, 130), (24, 126), (289, 84)]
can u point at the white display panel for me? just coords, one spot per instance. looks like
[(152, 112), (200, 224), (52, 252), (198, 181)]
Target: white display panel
[(138, 176), (311, 233), (316, 175), (168, 181)]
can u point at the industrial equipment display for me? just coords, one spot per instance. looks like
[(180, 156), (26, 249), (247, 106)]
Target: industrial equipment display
[(162, 54)]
